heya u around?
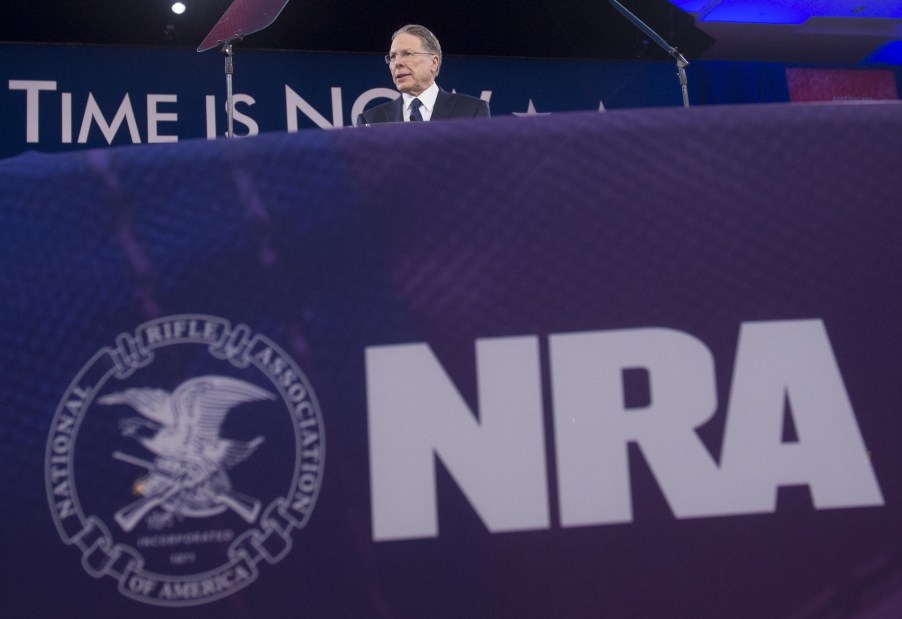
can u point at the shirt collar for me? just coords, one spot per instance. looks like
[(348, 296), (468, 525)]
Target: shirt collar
[(427, 97)]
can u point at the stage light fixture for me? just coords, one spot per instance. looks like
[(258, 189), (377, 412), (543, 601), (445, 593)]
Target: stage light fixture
[(178, 8)]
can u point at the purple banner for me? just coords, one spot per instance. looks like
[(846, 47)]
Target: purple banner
[(642, 363)]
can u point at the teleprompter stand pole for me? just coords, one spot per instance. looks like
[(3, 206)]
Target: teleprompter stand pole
[(681, 61), (230, 100), (243, 17)]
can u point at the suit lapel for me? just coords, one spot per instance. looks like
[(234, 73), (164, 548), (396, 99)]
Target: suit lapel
[(395, 111), (444, 105)]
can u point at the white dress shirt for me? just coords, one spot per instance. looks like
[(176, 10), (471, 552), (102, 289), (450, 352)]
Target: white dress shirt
[(427, 98)]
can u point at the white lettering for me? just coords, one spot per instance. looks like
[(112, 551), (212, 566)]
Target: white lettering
[(213, 584), (416, 414), (784, 368), (32, 90), (294, 103), (593, 426), (776, 363), (66, 120), (140, 585), (93, 113), (368, 96), (155, 117), (240, 117), (210, 103)]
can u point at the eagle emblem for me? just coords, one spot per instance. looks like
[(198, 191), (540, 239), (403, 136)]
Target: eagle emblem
[(188, 476)]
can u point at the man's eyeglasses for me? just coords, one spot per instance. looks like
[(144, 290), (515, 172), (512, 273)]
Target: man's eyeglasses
[(403, 55)]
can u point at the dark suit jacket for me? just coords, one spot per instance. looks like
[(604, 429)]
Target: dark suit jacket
[(447, 105)]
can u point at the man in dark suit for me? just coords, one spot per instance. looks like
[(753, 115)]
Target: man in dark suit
[(414, 61)]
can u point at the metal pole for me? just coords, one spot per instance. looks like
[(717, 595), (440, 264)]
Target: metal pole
[(681, 61), (230, 103)]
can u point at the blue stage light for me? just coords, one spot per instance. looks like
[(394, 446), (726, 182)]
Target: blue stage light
[(786, 11), (762, 12), (690, 6), (891, 53)]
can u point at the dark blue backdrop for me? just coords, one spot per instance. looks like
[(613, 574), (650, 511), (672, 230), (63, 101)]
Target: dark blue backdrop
[(62, 79)]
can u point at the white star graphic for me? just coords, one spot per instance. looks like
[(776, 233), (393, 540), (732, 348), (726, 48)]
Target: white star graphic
[(531, 111)]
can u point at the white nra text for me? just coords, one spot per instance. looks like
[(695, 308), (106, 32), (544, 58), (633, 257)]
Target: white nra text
[(416, 415)]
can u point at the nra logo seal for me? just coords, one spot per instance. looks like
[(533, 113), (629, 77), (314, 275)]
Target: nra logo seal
[(184, 457)]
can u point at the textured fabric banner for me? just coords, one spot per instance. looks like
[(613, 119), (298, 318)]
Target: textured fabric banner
[(643, 363)]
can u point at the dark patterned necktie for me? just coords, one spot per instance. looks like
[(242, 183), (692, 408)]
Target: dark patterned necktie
[(415, 110)]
